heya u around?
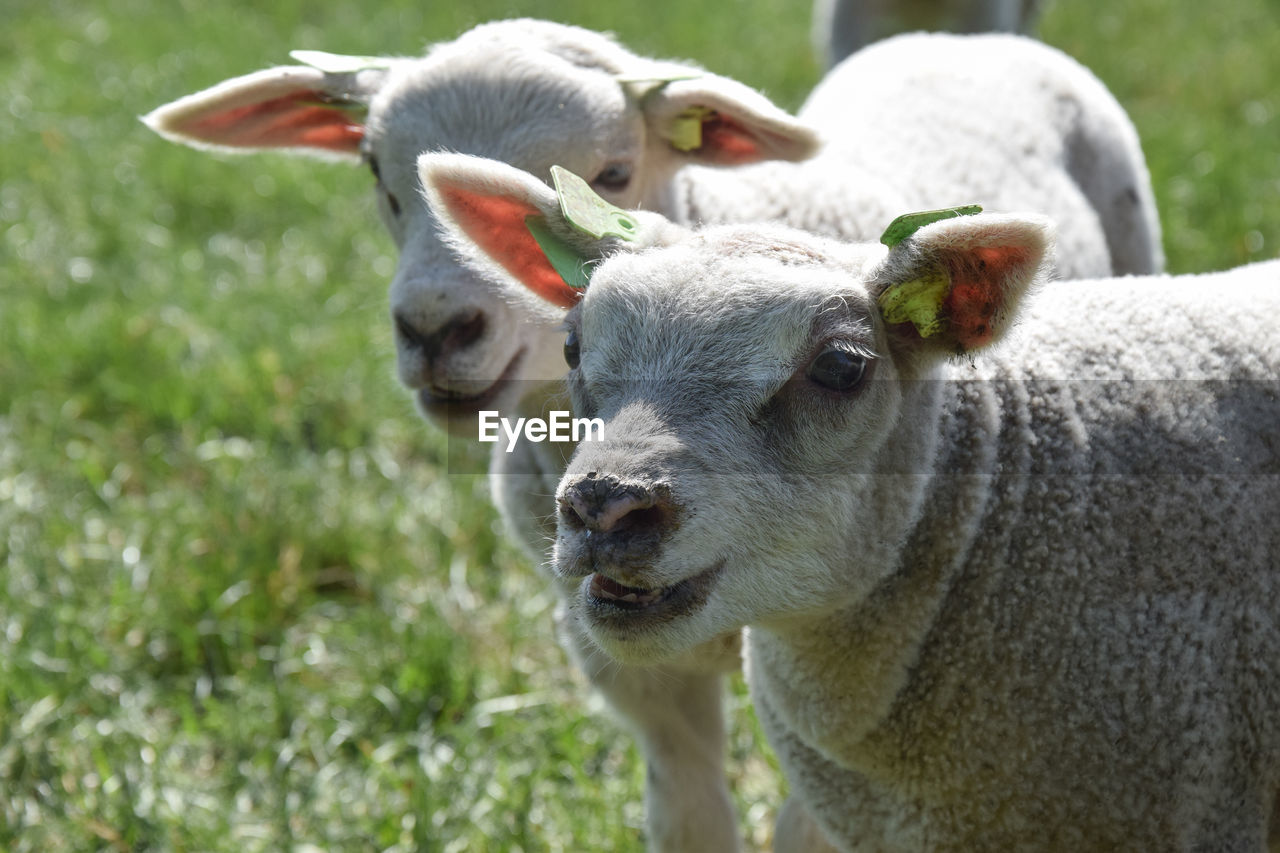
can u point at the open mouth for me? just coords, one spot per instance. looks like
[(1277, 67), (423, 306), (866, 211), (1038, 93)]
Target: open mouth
[(612, 603), (608, 591)]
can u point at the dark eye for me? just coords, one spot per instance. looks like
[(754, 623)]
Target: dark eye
[(837, 369), (393, 204), (571, 354), (614, 176)]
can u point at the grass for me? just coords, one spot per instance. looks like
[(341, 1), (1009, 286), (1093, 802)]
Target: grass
[(241, 606)]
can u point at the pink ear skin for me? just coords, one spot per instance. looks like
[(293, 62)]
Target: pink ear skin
[(725, 142), (496, 225), (977, 295), (298, 119)]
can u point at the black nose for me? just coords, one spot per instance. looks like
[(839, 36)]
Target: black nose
[(604, 504), (457, 333)]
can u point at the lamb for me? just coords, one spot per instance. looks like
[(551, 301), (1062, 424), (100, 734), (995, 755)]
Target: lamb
[(1007, 551), (1008, 119), (842, 27), (1048, 137), (532, 93)]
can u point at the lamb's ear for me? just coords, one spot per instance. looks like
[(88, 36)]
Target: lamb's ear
[(723, 122), (954, 285), (507, 217), (314, 109)]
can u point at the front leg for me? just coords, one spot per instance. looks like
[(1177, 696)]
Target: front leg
[(797, 832), (677, 716)]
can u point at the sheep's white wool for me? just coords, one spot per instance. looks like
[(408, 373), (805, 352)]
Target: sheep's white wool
[(1026, 598)]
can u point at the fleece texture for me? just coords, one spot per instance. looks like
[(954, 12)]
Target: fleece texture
[(1079, 645), (931, 120)]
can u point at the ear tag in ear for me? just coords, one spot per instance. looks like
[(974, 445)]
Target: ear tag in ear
[(909, 223), (587, 212), (571, 266), (918, 301), (660, 79), (336, 63), (685, 132)]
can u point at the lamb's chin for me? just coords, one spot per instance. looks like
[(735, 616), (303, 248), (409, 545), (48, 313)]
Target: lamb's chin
[(645, 626), (459, 416)]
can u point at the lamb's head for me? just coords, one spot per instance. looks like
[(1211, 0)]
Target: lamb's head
[(529, 93), (764, 429)]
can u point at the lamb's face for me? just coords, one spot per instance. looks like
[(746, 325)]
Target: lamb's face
[(464, 341), (739, 423)]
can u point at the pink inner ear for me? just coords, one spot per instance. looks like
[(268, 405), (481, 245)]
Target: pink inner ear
[(726, 141), (497, 226), (977, 294), (296, 120)]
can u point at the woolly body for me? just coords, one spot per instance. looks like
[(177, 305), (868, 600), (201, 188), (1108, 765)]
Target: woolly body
[(1031, 603), (1026, 601)]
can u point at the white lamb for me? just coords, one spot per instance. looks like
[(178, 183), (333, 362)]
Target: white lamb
[(1006, 120), (1003, 596)]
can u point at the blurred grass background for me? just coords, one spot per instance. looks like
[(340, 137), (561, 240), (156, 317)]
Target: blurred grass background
[(241, 607)]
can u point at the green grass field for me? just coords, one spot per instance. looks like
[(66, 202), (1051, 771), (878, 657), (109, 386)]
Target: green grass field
[(241, 605)]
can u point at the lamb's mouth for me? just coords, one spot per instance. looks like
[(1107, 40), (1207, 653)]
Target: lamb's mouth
[(446, 404), (611, 603)]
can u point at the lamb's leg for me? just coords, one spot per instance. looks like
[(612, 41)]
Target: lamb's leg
[(676, 714), (797, 832)]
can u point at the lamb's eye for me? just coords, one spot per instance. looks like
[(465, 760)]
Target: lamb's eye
[(394, 204), (571, 354), (614, 176), (837, 369)]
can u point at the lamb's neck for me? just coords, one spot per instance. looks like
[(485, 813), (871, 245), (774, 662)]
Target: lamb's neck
[(833, 678), (549, 458), (524, 480)]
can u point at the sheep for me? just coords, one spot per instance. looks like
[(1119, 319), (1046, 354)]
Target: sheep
[(1007, 552), (1009, 119), (842, 27), (1049, 136), (532, 93)]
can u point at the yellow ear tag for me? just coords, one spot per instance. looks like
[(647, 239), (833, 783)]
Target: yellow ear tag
[(685, 132), (587, 212), (918, 301)]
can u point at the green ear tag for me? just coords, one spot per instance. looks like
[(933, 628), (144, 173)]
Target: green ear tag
[(587, 212), (336, 63), (909, 223), (685, 133), (564, 260), (918, 302)]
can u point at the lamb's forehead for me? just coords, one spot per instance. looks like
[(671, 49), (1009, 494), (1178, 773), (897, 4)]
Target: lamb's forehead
[(581, 47), (767, 292), (525, 80)]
